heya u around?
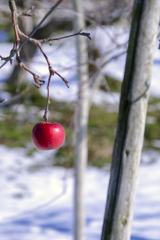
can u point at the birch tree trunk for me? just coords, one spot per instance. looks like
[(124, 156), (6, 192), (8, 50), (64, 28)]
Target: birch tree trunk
[(131, 122), (81, 148)]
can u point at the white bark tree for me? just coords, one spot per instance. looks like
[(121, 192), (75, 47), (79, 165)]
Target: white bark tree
[(81, 147), (131, 121)]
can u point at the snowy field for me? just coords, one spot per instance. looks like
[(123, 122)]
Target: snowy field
[(39, 204)]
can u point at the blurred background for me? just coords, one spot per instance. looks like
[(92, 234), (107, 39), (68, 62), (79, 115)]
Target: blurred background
[(37, 187)]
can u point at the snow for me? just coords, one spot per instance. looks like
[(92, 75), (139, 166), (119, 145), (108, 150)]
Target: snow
[(39, 204)]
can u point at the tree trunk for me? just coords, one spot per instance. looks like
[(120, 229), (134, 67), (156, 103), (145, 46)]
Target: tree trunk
[(131, 121), (82, 123)]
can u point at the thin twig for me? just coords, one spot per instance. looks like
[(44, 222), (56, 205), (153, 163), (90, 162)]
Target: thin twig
[(72, 35), (27, 13)]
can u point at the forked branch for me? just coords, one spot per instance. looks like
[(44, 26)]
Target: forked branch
[(16, 47)]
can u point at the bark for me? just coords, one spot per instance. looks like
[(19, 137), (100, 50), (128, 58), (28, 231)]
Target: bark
[(131, 121), (82, 123)]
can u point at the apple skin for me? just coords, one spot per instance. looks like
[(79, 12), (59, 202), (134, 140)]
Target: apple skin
[(48, 135)]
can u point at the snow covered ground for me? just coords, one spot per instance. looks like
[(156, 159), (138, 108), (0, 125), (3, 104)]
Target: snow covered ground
[(39, 205)]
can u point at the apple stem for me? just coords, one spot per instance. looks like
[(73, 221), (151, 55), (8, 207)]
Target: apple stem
[(48, 101)]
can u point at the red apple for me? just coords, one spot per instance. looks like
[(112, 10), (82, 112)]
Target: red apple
[(48, 135)]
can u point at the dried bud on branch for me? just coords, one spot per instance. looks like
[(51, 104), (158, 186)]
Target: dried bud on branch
[(85, 34), (38, 82), (3, 100)]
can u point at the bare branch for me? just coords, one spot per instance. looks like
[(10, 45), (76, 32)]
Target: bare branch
[(72, 35), (33, 32), (27, 13), (16, 48)]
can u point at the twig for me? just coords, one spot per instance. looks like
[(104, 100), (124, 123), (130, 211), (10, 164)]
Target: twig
[(72, 35), (27, 13)]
